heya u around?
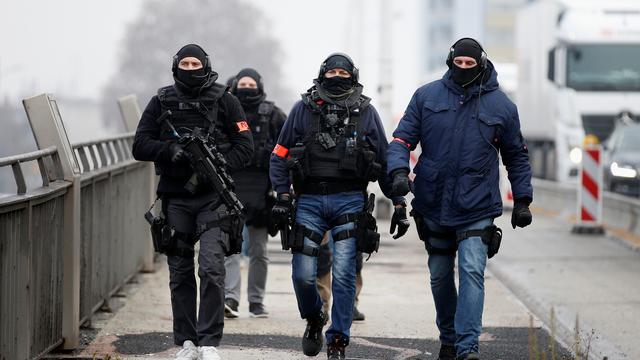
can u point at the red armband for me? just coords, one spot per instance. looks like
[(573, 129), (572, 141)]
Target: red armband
[(242, 126), (402, 142), (280, 151)]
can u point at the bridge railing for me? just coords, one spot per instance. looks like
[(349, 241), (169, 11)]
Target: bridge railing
[(112, 228), (67, 246), (31, 254)]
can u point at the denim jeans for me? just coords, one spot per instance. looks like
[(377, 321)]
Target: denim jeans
[(459, 315), (316, 212)]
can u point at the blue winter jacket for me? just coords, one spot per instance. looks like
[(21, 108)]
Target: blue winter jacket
[(295, 129), (461, 133)]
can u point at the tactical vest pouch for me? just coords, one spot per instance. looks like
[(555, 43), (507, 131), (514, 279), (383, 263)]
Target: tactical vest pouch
[(297, 164), (369, 169)]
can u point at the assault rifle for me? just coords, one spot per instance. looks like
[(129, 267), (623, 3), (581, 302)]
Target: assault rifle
[(208, 164)]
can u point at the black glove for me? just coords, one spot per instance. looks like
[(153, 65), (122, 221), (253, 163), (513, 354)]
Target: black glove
[(401, 181), (521, 215), (281, 209), (177, 153), (399, 219)]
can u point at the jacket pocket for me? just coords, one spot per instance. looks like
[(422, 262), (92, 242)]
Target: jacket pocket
[(426, 183), (473, 192), (436, 106)]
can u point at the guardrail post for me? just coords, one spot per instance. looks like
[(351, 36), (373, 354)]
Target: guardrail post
[(48, 129), (131, 114)]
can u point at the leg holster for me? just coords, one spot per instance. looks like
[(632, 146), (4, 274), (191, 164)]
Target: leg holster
[(426, 235), (165, 238), (232, 225), (365, 231), (296, 240), (491, 235)]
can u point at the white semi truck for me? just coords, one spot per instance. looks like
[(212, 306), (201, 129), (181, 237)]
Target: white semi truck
[(578, 70)]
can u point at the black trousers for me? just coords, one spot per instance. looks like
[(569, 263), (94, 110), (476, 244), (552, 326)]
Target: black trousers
[(185, 213)]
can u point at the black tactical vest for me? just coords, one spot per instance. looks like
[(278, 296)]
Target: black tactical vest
[(343, 155), (187, 114), (262, 131)]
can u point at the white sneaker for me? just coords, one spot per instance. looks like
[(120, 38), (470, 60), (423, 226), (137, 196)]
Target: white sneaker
[(189, 351), (208, 353)]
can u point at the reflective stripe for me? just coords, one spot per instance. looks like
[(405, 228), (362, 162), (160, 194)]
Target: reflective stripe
[(280, 151), (242, 126), (402, 141)]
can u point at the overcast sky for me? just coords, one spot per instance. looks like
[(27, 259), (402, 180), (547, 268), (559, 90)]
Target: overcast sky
[(70, 47)]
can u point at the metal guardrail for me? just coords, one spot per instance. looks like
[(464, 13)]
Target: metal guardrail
[(66, 247), (112, 227), (31, 244)]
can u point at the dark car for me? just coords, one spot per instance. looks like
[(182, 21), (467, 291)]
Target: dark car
[(623, 160)]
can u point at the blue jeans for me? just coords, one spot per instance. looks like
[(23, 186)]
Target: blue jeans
[(316, 212), (459, 315)]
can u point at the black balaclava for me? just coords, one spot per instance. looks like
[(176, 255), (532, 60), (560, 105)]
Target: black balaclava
[(192, 78), (338, 87), (249, 97), (470, 48)]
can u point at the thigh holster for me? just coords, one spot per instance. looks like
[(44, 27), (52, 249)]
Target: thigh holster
[(427, 235), (230, 224), (365, 231), (296, 240), (490, 235)]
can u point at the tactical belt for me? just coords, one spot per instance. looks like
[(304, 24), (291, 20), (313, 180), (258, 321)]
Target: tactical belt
[(469, 233), (326, 188)]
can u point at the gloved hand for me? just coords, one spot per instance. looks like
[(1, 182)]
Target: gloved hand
[(399, 219), (521, 215), (401, 181), (177, 153), (282, 208)]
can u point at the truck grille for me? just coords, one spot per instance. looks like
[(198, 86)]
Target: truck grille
[(599, 125)]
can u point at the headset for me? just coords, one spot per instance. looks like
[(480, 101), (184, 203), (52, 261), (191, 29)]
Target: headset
[(323, 67), (483, 54), (206, 66)]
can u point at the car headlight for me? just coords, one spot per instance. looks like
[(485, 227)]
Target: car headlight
[(623, 171), (575, 155)]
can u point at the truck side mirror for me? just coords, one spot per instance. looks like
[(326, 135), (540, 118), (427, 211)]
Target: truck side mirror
[(551, 65)]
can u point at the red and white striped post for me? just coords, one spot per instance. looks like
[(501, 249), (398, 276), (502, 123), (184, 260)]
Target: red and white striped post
[(590, 189)]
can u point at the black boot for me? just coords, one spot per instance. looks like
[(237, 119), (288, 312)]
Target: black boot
[(312, 338), (335, 349), (469, 356), (447, 352)]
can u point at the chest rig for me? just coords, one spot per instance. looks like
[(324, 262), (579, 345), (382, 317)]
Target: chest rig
[(187, 114), (335, 151), (262, 131)]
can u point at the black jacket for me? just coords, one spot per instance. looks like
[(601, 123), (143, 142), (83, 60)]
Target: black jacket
[(252, 182), (148, 147)]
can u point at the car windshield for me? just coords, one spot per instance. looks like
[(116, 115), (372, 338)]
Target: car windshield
[(605, 67), (630, 139)]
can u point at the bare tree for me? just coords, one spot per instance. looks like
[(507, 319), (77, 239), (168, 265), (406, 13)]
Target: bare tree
[(234, 34)]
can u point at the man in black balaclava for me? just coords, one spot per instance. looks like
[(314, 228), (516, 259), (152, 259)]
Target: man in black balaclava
[(332, 145), (254, 190), (193, 210), (467, 58), (462, 122)]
